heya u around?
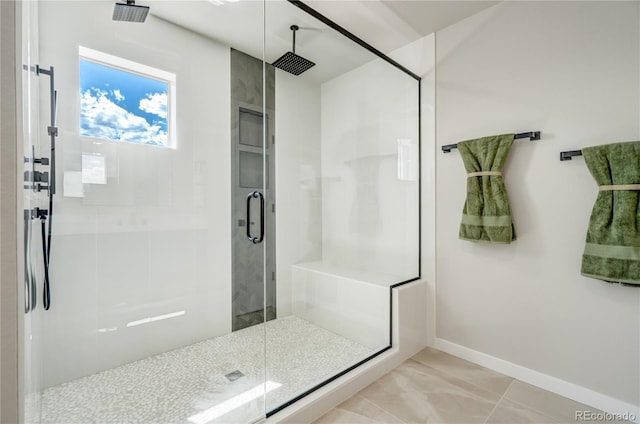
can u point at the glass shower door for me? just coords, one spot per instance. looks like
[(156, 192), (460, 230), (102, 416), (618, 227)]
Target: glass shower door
[(141, 324), (347, 137), (31, 295)]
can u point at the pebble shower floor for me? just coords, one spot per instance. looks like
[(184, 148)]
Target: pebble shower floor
[(183, 385)]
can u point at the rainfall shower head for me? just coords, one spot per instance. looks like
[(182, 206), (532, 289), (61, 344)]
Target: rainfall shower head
[(130, 12), (290, 61)]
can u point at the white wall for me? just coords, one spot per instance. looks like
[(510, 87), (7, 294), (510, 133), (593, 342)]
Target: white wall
[(298, 195), (570, 70), (156, 239), (369, 216)]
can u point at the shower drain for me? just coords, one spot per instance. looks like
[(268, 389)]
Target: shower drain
[(234, 375)]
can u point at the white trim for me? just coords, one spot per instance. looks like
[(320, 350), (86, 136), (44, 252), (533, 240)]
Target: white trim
[(127, 65), (553, 384)]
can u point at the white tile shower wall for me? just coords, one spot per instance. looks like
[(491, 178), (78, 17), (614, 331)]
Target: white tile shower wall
[(369, 216), (298, 184), (571, 70), (155, 240)]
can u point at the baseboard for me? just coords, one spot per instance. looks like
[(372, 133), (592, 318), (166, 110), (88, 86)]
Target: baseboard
[(555, 385)]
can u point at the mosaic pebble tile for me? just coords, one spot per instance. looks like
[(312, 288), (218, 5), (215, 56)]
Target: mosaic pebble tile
[(177, 385)]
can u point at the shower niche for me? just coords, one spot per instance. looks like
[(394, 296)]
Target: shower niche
[(223, 275)]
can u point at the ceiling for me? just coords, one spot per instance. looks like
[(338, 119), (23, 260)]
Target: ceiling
[(391, 24), (385, 24), (427, 17)]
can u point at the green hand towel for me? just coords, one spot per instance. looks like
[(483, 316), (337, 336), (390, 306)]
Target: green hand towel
[(612, 251), (486, 216)]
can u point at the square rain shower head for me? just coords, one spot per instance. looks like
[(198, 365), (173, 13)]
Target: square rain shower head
[(130, 12), (293, 63)]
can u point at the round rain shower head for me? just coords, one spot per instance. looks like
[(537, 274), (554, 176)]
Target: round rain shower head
[(130, 12)]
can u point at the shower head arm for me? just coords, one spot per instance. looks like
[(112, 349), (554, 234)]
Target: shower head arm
[(294, 28)]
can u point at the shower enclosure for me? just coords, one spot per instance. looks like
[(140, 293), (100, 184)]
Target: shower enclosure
[(225, 233)]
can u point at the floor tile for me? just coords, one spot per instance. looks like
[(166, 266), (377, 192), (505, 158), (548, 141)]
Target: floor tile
[(358, 410), (435, 387), (340, 416), (451, 379), (464, 370), (415, 394), (550, 404), (508, 412)]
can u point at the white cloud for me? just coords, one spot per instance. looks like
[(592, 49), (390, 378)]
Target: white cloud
[(155, 103), (118, 95), (100, 117)]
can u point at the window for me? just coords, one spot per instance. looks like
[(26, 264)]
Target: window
[(122, 100)]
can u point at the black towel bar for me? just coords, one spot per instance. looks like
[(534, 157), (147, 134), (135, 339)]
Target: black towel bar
[(531, 135), (569, 154)]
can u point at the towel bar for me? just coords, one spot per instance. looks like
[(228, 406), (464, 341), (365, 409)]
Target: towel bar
[(531, 135), (567, 155)]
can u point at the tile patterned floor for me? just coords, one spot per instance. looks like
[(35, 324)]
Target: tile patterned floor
[(434, 387), (187, 384)]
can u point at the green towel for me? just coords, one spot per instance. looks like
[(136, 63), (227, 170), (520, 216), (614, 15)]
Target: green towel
[(612, 251), (486, 216)]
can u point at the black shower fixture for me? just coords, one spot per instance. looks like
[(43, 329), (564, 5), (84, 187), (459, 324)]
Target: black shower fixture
[(130, 12), (38, 181), (290, 61)]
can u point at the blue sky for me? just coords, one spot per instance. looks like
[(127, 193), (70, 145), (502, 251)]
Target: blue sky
[(118, 105)]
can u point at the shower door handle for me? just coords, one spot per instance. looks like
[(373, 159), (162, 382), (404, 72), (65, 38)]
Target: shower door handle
[(255, 195)]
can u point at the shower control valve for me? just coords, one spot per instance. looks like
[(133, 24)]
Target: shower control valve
[(36, 176), (35, 213), (41, 161)]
